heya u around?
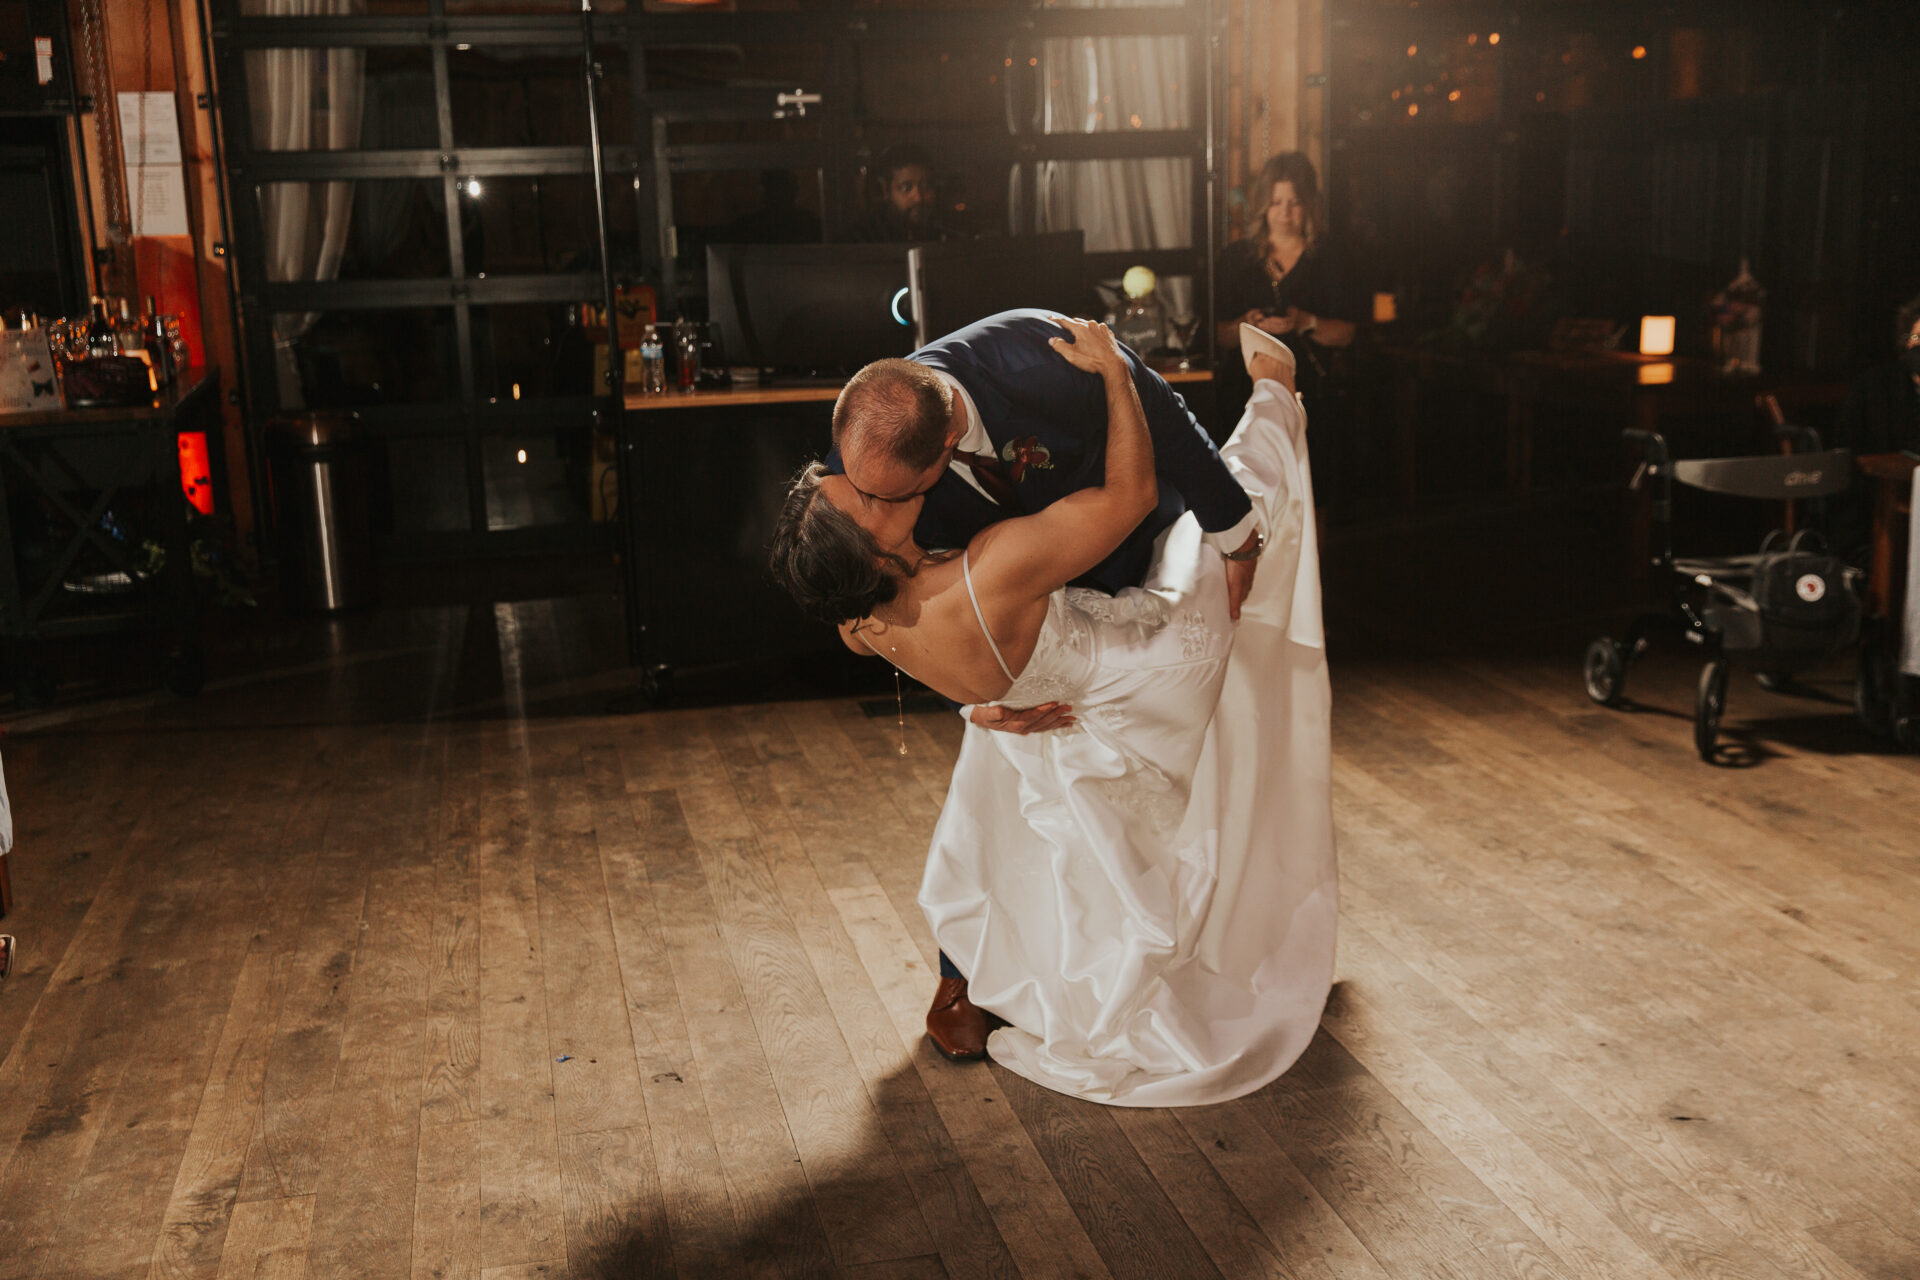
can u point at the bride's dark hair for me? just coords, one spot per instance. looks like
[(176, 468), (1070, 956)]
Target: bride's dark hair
[(832, 568)]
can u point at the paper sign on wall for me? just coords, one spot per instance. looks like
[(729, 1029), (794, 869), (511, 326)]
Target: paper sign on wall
[(156, 184), (27, 377)]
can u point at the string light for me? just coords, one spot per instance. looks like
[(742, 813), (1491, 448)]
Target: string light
[(1494, 38), (1639, 51), (1413, 108), (1412, 49), (1454, 96)]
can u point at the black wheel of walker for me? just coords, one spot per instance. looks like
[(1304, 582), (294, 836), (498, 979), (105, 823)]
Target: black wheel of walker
[(1709, 700), (1873, 686), (1606, 671)]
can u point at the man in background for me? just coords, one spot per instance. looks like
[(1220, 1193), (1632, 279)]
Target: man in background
[(907, 203)]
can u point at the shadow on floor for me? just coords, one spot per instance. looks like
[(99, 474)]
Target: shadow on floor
[(904, 1196)]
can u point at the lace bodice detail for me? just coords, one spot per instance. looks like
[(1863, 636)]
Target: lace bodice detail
[(1090, 637)]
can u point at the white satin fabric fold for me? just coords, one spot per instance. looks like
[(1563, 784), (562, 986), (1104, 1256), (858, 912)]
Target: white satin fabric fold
[(1149, 899)]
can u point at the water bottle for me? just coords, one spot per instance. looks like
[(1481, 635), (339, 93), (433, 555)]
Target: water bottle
[(653, 361)]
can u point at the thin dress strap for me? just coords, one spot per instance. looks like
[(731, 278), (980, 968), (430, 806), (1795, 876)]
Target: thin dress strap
[(966, 571)]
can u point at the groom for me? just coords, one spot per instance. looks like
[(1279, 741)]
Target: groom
[(989, 422)]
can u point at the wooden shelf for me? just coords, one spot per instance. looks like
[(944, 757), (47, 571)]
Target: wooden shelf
[(736, 397)]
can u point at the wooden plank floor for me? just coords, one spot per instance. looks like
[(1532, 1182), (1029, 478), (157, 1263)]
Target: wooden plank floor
[(466, 996)]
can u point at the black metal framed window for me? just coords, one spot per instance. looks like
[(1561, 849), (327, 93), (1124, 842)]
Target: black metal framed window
[(413, 201)]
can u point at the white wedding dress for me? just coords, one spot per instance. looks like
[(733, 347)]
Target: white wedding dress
[(1149, 898)]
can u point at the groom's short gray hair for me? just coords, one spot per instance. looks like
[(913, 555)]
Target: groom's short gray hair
[(900, 407)]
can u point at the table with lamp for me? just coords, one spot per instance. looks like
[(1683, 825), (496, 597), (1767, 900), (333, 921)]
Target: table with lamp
[(1701, 407)]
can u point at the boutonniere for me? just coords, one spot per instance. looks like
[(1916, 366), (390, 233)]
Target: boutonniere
[(1021, 454)]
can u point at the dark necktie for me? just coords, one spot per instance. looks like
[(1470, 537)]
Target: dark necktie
[(992, 476)]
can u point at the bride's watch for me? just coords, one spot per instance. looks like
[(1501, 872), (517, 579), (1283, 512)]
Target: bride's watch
[(1249, 552)]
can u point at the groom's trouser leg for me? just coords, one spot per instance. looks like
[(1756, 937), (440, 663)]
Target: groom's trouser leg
[(947, 969)]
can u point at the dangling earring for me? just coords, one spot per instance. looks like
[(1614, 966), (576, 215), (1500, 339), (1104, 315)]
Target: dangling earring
[(900, 711)]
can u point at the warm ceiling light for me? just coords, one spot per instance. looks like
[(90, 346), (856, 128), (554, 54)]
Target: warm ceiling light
[(1412, 49), (1413, 108), (1473, 37), (1454, 96), (522, 455), (1494, 38), (1639, 51)]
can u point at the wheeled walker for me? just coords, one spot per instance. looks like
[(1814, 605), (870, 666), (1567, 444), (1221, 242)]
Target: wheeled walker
[(1779, 611)]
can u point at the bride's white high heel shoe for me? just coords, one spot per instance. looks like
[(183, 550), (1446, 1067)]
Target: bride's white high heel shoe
[(1255, 341)]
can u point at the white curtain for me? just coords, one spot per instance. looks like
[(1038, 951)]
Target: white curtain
[(303, 100), (1117, 85)]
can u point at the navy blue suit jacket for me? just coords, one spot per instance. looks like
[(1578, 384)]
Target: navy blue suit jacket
[(1048, 422)]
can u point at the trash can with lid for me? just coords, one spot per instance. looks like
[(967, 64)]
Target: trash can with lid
[(318, 468)]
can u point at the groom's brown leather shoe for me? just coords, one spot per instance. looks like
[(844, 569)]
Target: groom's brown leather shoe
[(956, 1027)]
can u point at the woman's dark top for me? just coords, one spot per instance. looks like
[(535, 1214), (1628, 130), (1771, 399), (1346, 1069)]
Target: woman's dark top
[(1317, 285)]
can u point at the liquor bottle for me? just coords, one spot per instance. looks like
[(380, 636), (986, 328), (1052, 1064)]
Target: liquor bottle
[(153, 332), (127, 337), (100, 331)]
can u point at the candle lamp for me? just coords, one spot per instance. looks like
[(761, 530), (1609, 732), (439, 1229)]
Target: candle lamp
[(1656, 335)]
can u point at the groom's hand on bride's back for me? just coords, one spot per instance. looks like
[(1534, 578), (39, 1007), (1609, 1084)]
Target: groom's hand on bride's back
[(1040, 719)]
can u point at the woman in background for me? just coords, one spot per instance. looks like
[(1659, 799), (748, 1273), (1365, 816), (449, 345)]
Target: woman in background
[(1281, 276)]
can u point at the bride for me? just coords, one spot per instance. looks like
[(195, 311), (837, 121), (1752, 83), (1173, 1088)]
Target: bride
[(1147, 895)]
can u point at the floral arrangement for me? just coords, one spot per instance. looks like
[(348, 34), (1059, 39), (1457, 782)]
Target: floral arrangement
[(1737, 306), (1735, 313), (1504, 304)]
